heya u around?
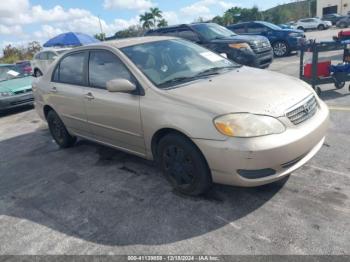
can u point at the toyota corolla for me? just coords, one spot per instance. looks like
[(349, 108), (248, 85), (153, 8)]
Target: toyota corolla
[(203, 118)]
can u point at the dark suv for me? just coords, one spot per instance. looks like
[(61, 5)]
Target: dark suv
[(283, 41), (253, 51)]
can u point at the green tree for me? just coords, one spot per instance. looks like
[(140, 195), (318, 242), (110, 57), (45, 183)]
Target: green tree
[(162, 23), (100, 36), (156, 14), (147, 20), (218, 19)]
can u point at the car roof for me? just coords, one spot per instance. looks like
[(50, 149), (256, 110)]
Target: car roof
[(120, 43)]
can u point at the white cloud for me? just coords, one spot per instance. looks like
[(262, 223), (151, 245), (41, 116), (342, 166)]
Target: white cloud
[(128, 4), (10, 30)]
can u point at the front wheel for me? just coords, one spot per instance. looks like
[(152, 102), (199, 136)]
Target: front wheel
[(301, 28), (183, 165), (280, 48), (37, 73), (59, 131)]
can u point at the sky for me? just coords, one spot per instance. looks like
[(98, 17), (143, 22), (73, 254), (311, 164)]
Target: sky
[(22, 21)]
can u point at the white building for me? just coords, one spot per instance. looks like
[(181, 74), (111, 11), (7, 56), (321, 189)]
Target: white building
[(332, 6)]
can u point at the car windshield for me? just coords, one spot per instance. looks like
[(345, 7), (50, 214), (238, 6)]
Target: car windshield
[(11, 71), (168, 63), (270, 25), (212, 31)]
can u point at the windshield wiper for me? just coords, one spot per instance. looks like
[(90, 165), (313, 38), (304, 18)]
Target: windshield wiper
[(213, 71), (177, 80)]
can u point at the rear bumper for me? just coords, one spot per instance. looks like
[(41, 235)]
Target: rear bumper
[(16, 101), (283, 153)]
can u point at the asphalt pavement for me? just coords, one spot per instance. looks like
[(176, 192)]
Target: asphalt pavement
[(91, 199)]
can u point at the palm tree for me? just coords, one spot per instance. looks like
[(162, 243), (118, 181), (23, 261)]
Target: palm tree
[(156, 13), (162, 23), (146, 20)]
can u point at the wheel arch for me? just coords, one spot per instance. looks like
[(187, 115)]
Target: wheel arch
[(47, 109), (159, 134)]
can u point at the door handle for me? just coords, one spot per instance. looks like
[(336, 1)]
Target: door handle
[(89, 96), (53, 89)]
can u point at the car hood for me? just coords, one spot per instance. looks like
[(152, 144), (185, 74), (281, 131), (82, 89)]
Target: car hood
[(244, 90), (240, 38), (16, 84)]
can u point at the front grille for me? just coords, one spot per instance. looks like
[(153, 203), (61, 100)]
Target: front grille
[(23, 91), (22, 101), (303, 112), (260, 46)]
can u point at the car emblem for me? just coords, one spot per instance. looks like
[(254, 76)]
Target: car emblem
[(307, 108)]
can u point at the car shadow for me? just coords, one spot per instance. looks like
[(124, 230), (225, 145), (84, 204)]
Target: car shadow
[(108, 197), (16, 110), (332, 94)]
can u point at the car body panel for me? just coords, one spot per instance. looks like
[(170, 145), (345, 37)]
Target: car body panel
[(190, 109), (20, 89), (255, 56), (292, 37)]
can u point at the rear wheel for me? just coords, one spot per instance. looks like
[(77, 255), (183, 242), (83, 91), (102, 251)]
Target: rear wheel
[(343, 25), (321, 27), (183, 165), (280, 48), (58, 131)]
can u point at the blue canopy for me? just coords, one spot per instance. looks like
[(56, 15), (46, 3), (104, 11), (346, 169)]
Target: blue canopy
[(71, 39)]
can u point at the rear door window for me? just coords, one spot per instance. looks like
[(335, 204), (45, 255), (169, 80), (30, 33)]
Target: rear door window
[(238, 29), (256, 29), (71, 69), (188, 35), (105, 66)]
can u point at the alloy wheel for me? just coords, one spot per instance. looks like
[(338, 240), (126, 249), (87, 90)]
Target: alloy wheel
[(280, 49)]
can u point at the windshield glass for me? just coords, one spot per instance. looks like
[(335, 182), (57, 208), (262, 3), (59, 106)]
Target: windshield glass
[(270, 25), (170, 62), (11, 71), (212, 31)]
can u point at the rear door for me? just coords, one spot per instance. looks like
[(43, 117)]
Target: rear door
[(67, 91), (114, 117)]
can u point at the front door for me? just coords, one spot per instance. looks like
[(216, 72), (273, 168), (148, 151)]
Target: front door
[(114, 117)]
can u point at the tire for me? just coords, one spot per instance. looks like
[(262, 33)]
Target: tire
[(37, 73), (301, 28), (59, 131), (339, 85), (321, 27), (183, 165), (343, 25), (280, 49)]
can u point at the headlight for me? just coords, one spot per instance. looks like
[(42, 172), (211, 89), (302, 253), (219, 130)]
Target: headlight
[(3, 94), (248, 125), (294, 34), (239, 46)]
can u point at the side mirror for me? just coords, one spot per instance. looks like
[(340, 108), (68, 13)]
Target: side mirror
[(120, 85)]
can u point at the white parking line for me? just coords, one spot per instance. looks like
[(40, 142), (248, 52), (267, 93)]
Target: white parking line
[(339, 108), (327, 170)]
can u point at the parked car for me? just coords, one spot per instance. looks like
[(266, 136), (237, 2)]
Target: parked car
[(312, 23), (25, 66), (344, 22), (334, 18), (203, 117), (44, 58), (253, 51), (283, 41), (287, 26), (15, 87)]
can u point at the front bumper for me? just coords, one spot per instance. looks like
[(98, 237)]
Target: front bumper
[(250, 58), (283, 153), (16, 101)]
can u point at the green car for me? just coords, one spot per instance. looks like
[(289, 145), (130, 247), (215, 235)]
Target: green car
[(15, 87)]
